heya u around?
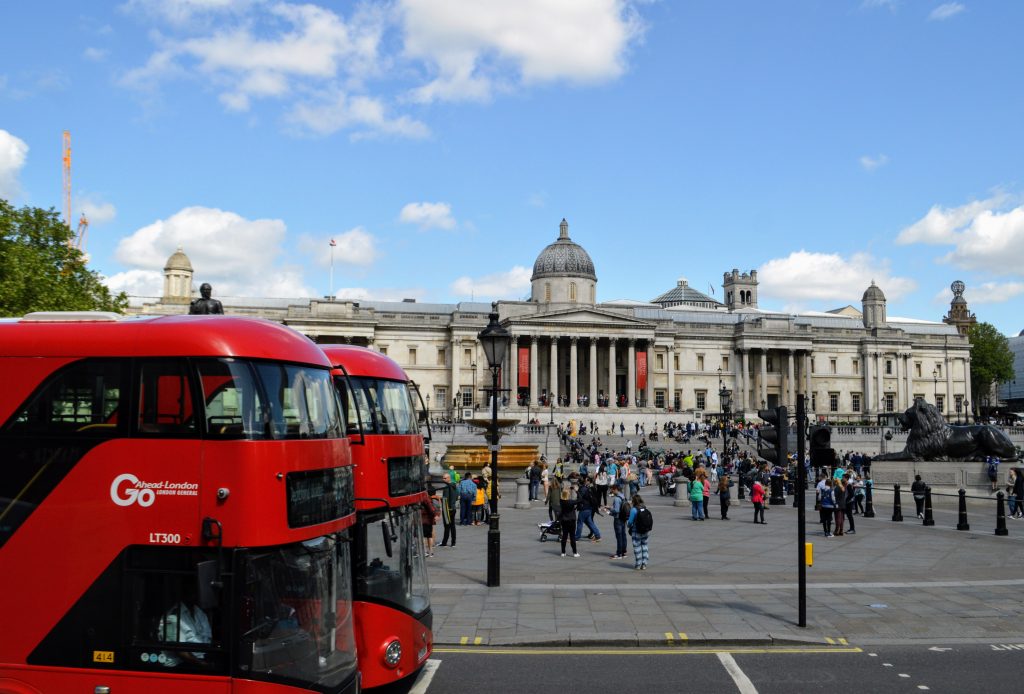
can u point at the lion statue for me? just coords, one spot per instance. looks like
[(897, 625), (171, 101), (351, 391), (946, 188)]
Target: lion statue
[(932, 438)]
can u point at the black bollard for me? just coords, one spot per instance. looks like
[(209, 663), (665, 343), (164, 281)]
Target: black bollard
[(962, 523), (897, 509), (928, 520), (869, 507), (776, 497), (1001, 516)]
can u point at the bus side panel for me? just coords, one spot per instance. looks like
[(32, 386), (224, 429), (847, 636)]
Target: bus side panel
[(378, 626), (21, 376), (46, 680), (122, 492), (371, 462)]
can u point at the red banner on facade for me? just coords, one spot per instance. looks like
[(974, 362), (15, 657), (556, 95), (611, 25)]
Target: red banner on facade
[(524, 367), (641, 370)]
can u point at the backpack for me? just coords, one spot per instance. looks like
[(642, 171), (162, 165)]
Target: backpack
[(624, 509), (467, 490), (644, 521)]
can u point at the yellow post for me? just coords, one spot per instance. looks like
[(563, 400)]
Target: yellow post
[(809, 550)]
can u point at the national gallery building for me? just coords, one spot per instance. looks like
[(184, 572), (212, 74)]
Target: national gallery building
[(636, 360)]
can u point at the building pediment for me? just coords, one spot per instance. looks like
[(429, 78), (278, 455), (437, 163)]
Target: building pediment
[(572, 320)]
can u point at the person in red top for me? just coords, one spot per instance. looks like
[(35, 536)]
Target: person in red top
[(428, 517), (757, 498)]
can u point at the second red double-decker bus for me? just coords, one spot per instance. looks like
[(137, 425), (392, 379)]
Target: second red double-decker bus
[(176, 504), (391, 599)]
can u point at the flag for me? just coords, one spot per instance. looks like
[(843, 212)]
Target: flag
[(333, 244), (709, 284)]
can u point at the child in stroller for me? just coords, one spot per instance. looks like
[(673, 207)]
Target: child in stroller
[(553, 528)]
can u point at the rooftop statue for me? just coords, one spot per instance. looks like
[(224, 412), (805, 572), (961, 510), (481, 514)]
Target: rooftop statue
[(205, 305)]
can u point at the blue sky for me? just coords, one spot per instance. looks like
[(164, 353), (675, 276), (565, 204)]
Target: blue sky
[(824, 143)]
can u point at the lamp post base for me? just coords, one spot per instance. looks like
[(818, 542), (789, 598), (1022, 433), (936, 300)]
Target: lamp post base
[(494, 553)]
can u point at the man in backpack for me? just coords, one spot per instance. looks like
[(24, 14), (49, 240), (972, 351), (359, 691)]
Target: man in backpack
[(640, 523), (587, 507), (533, 474), (467, 495), (619, 509)]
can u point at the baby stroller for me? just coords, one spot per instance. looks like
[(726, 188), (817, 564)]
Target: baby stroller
[(553, 528)]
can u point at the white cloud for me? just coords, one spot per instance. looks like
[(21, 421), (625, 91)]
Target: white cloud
[(428, 215), (501, 285), (874, 4), (97, 211), (184, 11), (803, 277), (95, 54), (476, 46), (339, 112), (13, 153), (870, 163), (238, 256), (137, 282), (942, 224), (945, 11)]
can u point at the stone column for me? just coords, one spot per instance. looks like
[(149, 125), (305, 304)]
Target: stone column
[(456, 376), (909, 359), (746, 377), (790, 398), (967, 380), (512, 369), (573, 378), (593, 371), (872, 402), (762, 386), (649, 390), (737, 384), (808, 403), (950, 401), (670, 356), (631, 373), (533, 370), (553, 375), (611, 372), (880, 375)]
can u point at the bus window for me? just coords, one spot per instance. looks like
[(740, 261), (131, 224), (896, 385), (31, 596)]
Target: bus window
[(81, 399), (301, 401), (384, 406), (398, 577), (165, 398), (233, 405)]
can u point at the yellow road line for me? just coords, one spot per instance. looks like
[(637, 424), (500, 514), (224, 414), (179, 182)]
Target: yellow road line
[(477, 640), (829, 639), (844, 642), (649, 651), (464, 640)]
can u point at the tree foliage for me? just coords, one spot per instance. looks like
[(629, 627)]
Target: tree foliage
[(39, 271), (991, 358)]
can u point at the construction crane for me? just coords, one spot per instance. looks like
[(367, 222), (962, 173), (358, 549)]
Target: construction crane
[(78, 240)]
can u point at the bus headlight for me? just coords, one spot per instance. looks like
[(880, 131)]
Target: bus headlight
[(393, 653)]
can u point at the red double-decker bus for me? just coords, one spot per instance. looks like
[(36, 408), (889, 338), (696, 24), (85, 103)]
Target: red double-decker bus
[(391, 599), (176, 508)]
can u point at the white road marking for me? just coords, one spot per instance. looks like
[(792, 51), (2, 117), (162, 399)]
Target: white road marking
[(425, 676), (922, 687), (743, 682), (904, 675), (886, 664), (873, 655)]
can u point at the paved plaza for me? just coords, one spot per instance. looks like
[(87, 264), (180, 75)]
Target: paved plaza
[(734, 582)]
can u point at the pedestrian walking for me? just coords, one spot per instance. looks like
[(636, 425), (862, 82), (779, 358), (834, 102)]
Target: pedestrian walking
[(695, 493), (449, 500), (587, 508), (917, 489), (839, 499), (428, 518), (567, 519), (554, 499), (640, 524), (619, 510), (724, 495), (850, 502), (826, 505), (757, 499)]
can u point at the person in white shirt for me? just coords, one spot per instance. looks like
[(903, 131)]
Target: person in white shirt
[(185, 622)]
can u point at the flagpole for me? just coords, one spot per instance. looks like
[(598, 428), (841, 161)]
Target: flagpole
[(332, 269)]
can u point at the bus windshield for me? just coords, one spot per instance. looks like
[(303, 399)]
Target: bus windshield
[(297, 613), (268, 400), (401, 578), (384, 407)]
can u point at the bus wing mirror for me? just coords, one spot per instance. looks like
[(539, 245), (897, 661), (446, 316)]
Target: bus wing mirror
[(208, 578)]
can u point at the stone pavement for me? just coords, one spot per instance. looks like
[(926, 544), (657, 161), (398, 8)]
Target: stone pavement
[(734, 582)]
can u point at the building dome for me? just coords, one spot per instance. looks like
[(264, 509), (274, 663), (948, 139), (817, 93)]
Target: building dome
[(873, 293), (178, 261), (564, 258)]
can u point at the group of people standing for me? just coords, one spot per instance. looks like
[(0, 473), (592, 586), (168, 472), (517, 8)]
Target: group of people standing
[(839, 497)]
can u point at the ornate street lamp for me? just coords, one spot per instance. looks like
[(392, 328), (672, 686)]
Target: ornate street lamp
[(428, 407), (725, 400), (494, 340), (935, 391)]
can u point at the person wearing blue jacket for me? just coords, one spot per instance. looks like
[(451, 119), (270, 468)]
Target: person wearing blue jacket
[(826, 504), (641, 552), (467, 495)]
